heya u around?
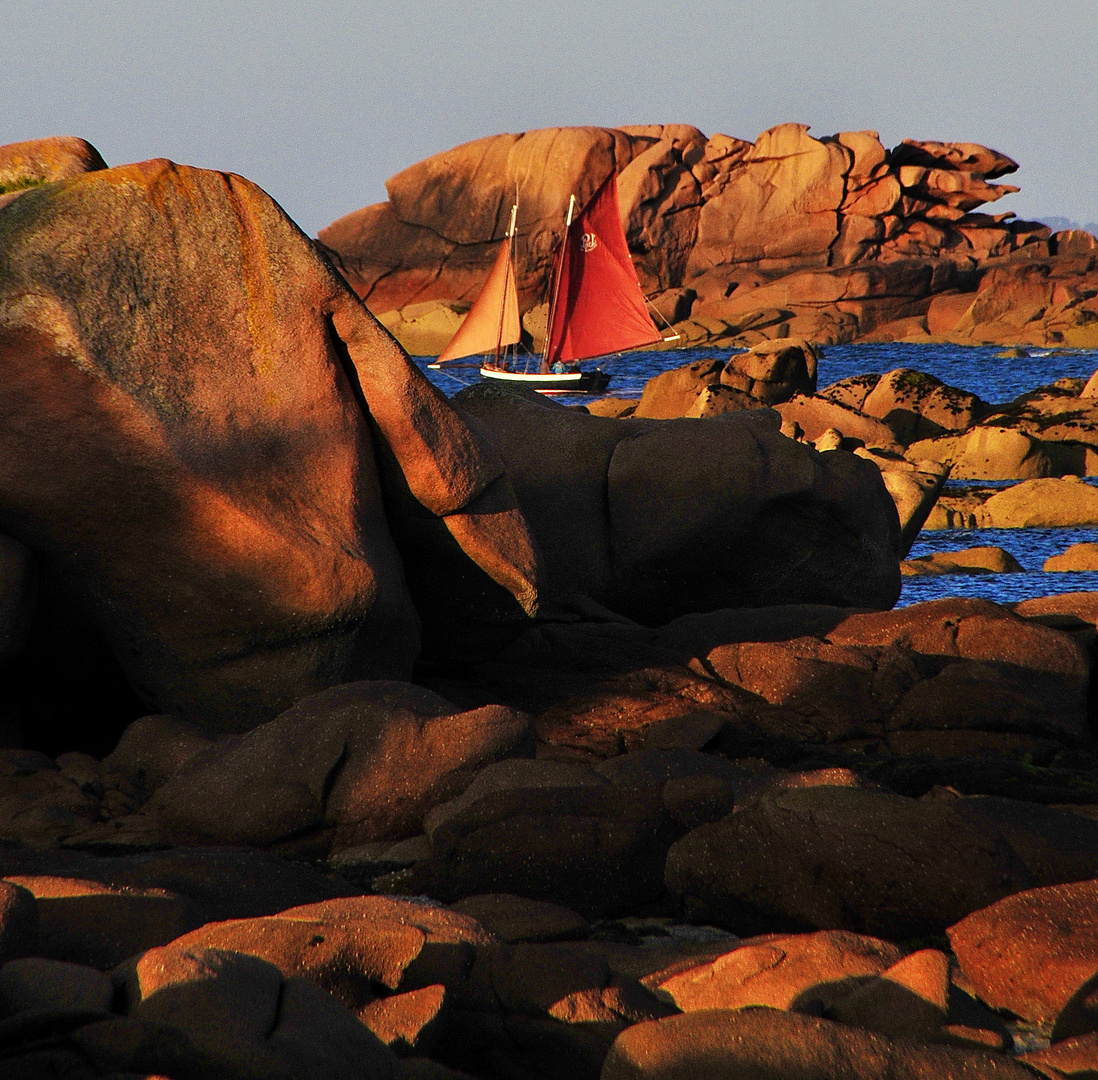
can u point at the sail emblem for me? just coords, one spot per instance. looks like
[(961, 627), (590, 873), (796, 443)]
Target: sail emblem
[(589, 242)]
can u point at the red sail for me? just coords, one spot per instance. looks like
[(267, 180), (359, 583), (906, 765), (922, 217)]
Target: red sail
[(600, 308)]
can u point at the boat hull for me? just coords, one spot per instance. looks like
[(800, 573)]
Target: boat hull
[(567, 382)]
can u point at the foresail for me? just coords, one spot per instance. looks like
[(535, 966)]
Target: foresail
[(600, 308), (493, 320)]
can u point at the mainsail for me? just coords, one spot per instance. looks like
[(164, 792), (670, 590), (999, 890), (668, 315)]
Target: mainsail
[(493, 320), (598, 304)]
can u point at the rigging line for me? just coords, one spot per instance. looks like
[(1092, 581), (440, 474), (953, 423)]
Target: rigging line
[(675, 335)]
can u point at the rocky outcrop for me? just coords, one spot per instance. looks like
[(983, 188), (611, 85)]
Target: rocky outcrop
[(831, 239), (192, 398)]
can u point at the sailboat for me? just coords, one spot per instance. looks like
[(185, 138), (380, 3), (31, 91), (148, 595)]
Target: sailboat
[(596, 306)]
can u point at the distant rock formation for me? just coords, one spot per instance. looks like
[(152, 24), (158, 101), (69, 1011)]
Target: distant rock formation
[(834, 239)]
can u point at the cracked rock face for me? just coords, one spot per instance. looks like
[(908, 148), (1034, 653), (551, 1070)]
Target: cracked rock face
[(832, 239)]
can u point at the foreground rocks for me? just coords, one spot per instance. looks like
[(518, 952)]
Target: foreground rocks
[(752, 883), (833, 239)]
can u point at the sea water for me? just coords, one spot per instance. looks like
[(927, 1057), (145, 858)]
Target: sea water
[(978, 369)]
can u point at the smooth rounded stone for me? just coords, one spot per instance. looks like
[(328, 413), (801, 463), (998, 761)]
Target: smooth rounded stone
[(511, 775), (914, 487), (841, 858), (366, 760), (987, 453), (948, 664), (612, 406), (98, 925), (516, 918), (1080, 1015), (557, 461), (654, 766), (355, 946), (408, 1023), (802, 972), (767, 1044), (814, 415), (1054, 844), (599, 850), (672, 393), (232, 996), (974, 560), (422, 329), (732, 514), (1076, 557), (18, 921), (917, 405), (154, 748), (1045, 503), (35, 983), (163, 503), (658, 518), (1023, 677), (773, 371), (969, 628), (831, 439), (694, 731), (1032, 951)]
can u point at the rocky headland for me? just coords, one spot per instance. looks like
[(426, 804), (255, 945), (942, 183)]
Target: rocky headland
[(351, 731), (835, 239)]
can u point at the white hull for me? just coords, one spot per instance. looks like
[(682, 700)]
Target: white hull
[(562, 379)]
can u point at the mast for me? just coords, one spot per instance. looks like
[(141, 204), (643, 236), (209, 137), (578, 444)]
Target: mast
[(511, 275), (556, 286)]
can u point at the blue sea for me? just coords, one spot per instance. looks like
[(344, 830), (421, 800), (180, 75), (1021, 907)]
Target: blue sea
[(977, 369)]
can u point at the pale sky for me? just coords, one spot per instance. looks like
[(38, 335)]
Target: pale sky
[(320, 102)]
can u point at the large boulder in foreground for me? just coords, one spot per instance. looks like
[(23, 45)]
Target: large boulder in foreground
[(191, 398), (657, 518)]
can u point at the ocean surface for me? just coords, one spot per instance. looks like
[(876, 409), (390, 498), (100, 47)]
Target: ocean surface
[(974, 368)]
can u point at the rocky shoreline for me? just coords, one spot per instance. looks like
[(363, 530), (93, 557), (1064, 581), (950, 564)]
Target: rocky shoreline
[(353, 731)]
